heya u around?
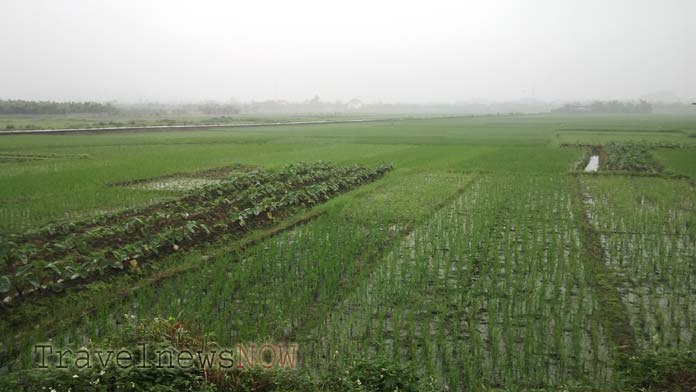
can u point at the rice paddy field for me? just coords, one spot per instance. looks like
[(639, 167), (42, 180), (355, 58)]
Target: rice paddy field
[(457, 254)]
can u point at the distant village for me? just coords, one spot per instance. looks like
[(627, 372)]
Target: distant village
[(607, 107)]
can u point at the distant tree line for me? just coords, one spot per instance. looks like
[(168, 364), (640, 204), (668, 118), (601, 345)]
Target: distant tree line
[(606, 107), (216, 109), (51, 107)]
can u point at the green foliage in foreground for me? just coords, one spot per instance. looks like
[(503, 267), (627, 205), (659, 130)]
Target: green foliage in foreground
[(363, 375), (648, 371), (660, 371)]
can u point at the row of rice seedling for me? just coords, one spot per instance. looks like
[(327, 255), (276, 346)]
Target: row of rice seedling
[(489, 292), (647, 229), (200, 216)]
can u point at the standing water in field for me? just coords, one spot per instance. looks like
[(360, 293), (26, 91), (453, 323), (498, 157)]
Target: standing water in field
[(593, 164)]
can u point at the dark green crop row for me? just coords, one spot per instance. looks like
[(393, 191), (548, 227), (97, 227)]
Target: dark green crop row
[(299, 173), (626, 156), (114, 230), (197, 217)]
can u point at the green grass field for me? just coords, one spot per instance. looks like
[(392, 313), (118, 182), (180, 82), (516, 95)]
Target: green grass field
[(484, 259)]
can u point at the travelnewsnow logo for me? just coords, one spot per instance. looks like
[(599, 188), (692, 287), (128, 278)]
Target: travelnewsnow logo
[(243, 356)]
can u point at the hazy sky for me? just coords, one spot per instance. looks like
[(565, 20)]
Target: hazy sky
[(426, 51)]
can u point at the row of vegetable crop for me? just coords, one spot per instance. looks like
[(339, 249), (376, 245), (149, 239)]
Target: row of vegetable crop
[(301, 172), (629, 156), (239, 192), (256, 203)]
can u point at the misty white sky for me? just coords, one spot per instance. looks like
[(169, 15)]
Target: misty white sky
[(426, 51)]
